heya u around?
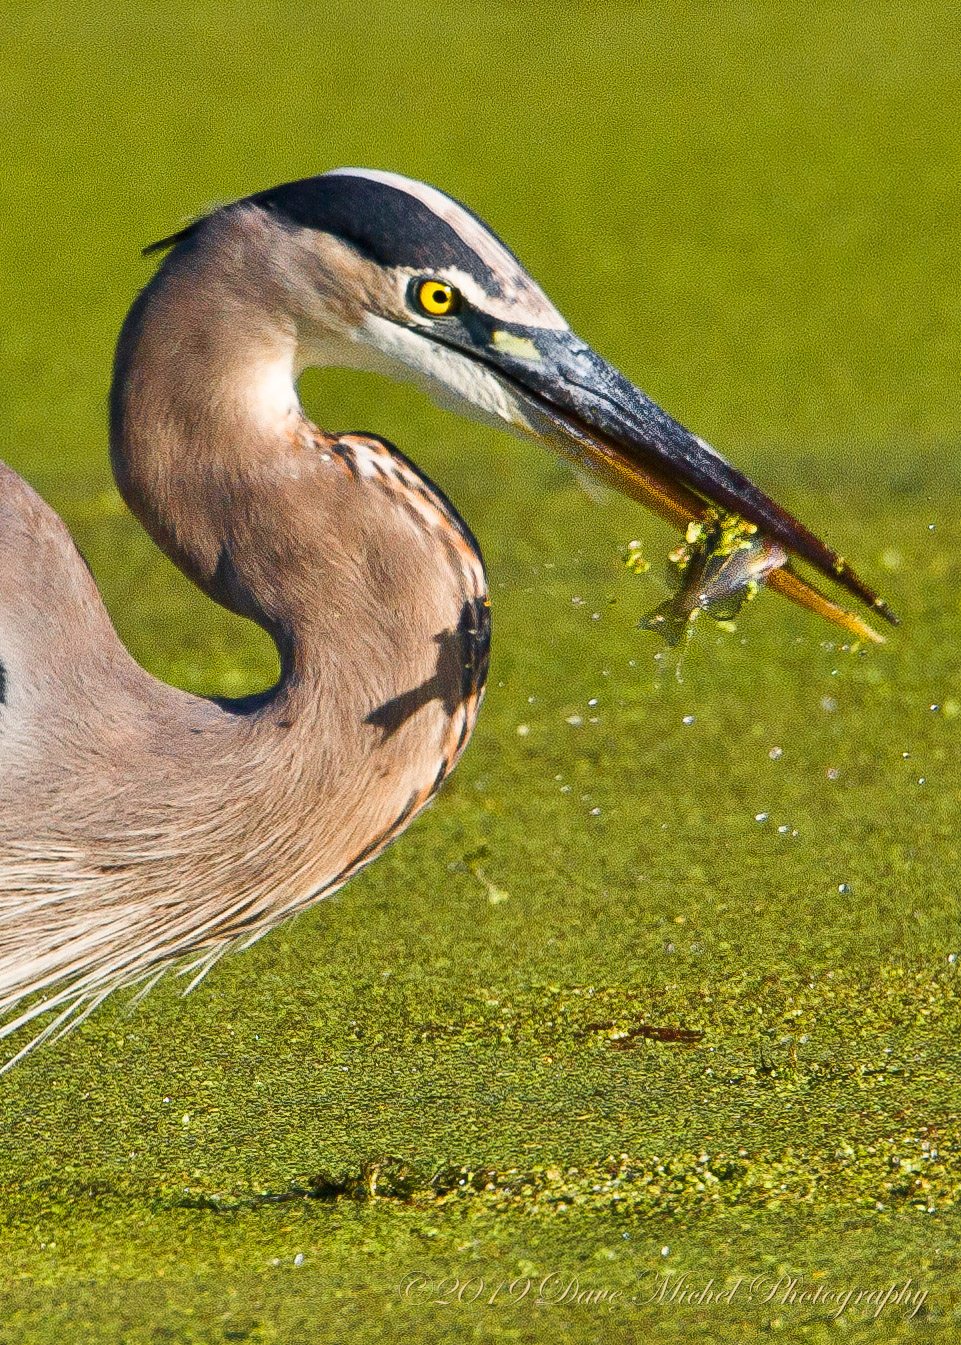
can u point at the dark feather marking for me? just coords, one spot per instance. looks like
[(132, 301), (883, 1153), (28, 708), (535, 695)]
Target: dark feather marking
[(343, 453), (431, 492), (462, 660), (376, 845), (3, 684), (383, 222)]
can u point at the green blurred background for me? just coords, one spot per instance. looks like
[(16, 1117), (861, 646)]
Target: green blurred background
[(753, 210)]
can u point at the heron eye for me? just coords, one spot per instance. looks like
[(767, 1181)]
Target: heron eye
[(436, 298)]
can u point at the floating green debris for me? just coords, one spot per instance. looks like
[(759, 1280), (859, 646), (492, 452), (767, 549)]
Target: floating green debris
[(634, 560), (719, 566)]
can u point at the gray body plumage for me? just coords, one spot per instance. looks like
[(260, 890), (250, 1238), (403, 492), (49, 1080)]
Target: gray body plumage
[(139, 824)]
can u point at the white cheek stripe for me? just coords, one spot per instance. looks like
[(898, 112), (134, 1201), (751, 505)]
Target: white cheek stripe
[(454, 381)]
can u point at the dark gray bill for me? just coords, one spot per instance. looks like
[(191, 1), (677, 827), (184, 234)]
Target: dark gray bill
[(589, 411)]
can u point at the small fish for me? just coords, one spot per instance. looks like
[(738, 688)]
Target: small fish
[(721, 565)]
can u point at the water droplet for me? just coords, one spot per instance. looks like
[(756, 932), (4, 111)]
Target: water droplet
[(761, 817), (665, 1251), (844, 889), (782, 831), (688, 719), (523, 730), (595, 812), (833, 773), (592, 701), (299, 1259), (575, 721), (775, 753), (829, 703)]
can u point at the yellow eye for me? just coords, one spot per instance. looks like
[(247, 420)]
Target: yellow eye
[(437, 298)]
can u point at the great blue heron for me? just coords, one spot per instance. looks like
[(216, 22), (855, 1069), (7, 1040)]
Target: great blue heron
[(140, 824)]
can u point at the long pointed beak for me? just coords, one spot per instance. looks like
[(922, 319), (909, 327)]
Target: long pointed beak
[(584, 408)]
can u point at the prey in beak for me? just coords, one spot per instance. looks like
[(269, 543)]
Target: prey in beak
[(568, 396)]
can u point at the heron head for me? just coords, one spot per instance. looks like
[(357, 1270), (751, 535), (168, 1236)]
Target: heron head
[(395, 276)]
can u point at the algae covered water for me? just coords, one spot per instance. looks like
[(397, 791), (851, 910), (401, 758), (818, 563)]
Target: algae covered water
[(666, 981)]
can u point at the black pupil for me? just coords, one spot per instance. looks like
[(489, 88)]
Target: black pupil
[(440, 297)]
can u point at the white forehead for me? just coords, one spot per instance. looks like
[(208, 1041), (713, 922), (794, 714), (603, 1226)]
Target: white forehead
[(523, 299)]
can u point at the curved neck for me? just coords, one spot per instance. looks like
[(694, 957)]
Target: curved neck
[(203, 413), (348, 558)]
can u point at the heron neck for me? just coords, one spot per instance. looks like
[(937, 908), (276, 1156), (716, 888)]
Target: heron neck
[(347, 558), (203, 408)]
